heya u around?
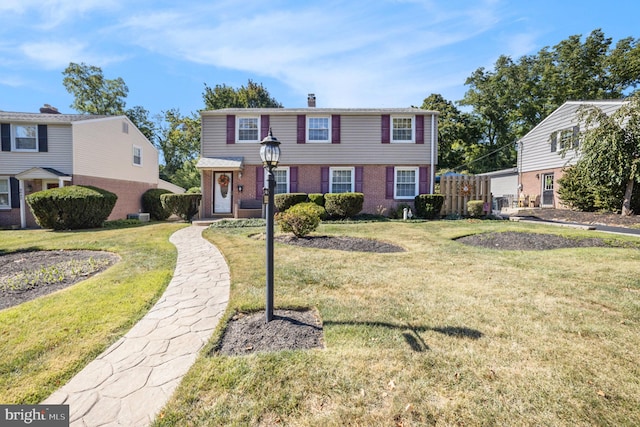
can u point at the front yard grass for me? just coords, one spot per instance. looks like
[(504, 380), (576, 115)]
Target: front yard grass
[(44, 342), (443, 334)]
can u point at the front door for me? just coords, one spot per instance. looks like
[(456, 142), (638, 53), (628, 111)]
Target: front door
[(547, 190), (222, 192)]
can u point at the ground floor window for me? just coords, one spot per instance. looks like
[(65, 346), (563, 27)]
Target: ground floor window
[(341, 180), (406, 183), (281, 175), (5, 193)]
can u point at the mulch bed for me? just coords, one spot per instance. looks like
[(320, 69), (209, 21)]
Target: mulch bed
[(341, 243), (513, 240)]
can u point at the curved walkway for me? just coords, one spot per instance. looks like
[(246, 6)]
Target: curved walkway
[(133, 379)]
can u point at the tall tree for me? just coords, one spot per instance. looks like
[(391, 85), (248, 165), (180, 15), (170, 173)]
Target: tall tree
[(141, 118), (253, 95), (93, 94), (610, 149), (179, 142)]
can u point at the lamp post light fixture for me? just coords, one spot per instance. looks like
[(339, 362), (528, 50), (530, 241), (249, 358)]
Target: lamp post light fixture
[(270, 155)]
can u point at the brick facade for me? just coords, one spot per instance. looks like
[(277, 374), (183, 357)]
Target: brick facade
[(532, 184)]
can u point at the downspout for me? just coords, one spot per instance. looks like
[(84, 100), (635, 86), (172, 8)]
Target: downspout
[(23, 212), (433, 153)]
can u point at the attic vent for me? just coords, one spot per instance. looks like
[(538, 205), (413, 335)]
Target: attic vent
[(48, 109), (311, 100)]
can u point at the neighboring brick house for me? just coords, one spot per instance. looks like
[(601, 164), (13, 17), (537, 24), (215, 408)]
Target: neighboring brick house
[(47, 150), (542, 156), (387, 154)]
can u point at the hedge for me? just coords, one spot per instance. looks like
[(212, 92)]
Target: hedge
[(71, 208), (284, 201), (184, 205), (151, 203), (428, 206), (343, 205)]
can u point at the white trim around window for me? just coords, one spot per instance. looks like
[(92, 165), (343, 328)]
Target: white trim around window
[(137, 155), (247, 129), (406, 182), (403, 129), (24, 138), (5, 192), (283, 179), (342, 180), (318, 129)]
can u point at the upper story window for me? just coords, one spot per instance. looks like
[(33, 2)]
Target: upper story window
[(402, 129), (318, 129), (565, 139), (25, 138), (5, 193), (341, 180), (406, 183), (248, 129), (137, 155)]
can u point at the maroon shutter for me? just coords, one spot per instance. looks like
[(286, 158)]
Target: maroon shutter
[(15, 192), (390, 179), (423, 185), (359, 173), (302, 132), (335, 129), (385, 129), (419, 129), (43, 145), (6, 136), (324, 180), (231, 129), (264, 126), (293, 179), (259, 182)]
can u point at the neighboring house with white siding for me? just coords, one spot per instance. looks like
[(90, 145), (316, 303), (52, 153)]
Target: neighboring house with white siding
[(550, 147), (46, 150), (388, 154)]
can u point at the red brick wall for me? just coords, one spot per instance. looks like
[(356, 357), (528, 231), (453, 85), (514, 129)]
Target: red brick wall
[(9, 217), (532, 184)]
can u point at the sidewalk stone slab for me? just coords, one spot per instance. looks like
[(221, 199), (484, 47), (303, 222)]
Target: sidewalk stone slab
[(132, 380)]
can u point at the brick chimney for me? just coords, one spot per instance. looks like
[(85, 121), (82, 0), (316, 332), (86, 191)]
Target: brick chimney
[(48, 109), (311, 100)]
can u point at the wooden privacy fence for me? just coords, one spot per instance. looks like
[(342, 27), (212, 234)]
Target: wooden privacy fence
[(458, 190)]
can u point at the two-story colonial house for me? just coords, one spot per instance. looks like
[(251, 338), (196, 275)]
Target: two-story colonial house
[(388, 154), (45, 150), (552, 146)]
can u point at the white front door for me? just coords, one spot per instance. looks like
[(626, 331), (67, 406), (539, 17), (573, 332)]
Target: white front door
[(222, 192)]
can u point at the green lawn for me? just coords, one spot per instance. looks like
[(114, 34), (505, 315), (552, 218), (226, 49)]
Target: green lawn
[(443, 334), (47, 340)]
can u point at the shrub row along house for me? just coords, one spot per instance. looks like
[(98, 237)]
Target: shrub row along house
[(48, 149), (389, 155)]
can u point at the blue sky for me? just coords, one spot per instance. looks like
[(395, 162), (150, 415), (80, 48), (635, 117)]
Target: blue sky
[(359, 53)]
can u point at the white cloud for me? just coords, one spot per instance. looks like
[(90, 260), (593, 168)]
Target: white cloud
[(13, 81), (48, 14), (57, 55)]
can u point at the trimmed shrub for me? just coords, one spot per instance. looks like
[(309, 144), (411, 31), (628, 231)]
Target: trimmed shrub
[(343, 205), (428, 206), (475, 208), (151, 203), (71, 208), (317, 198), (184, 205), (284, 201), (300, 219), (193, 190)]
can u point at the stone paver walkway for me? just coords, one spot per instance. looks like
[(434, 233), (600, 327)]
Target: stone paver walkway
[(133, 379)]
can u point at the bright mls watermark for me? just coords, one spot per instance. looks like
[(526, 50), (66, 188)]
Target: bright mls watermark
[(34, 415)]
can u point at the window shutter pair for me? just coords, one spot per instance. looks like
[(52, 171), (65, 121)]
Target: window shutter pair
[(5, 138), (231, 128), (302, 129), (385, 129), (423, 181), (293, 181)]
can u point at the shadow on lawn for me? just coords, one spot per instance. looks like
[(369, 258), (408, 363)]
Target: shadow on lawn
[(411, 333)]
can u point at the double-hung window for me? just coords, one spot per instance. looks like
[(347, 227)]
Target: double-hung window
[(248, 129), (406, 183), (565, 139), (341, 180), (5, 193), (281, 175), (402, 129), (25, 138), (318, 129), (137, 155)]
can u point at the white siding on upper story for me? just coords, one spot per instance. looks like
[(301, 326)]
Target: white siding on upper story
[(534, 150), (360, 142), (57, 157), (102, 149)]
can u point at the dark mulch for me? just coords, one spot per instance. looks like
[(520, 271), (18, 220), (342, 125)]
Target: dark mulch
[(28, 275), (341, 243), (288, 330), (590, 218), (513, 240)]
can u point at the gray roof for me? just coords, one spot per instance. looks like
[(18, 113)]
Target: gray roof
[(220, 163), (44, 118), (313, 110)]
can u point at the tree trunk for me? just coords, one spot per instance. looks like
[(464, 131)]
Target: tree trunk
[(626, 202)]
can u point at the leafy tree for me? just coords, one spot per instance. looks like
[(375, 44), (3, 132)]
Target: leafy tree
[(610, 149), (140, 117), (253, 95), (93, 93), (179, 142)]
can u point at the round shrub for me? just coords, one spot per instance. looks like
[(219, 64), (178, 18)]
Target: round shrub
[(343, 205), (151, 203), (184, 205), (475, 208), (300, 219), (284, 201), (71, 208), (428, 206)]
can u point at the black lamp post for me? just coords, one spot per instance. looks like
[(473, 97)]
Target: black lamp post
[(270, 154)]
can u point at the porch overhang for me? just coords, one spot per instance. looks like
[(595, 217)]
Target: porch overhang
[(43, 173), (221, 163)]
